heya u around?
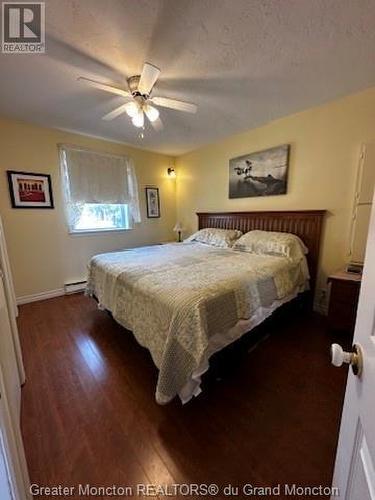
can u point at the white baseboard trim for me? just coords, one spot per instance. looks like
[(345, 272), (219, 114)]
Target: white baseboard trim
[(76, 287), (35, 297)]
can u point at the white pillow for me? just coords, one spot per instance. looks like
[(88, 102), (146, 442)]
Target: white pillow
[(223, 238), (272, 243)]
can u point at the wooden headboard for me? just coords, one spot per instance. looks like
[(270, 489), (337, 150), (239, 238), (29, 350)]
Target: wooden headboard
[(307, 224)]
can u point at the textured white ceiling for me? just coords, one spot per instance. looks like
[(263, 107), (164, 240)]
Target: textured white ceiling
[(243, 62)]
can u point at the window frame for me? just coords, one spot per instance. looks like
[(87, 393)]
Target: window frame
[(106, 229), (66, 196)]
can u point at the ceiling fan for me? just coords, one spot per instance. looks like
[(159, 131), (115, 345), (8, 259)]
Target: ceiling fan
[(140, 99)]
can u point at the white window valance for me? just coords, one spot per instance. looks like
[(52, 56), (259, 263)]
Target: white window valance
[(94, 177)]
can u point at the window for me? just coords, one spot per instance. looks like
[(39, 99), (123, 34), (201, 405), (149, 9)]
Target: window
[(100, 191), (100, 217)]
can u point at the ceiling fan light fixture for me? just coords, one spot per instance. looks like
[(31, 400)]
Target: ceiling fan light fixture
[(132, 109), (138, 120), (138, 98), (151, 113)]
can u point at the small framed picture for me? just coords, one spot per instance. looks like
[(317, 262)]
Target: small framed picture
[(153, 202), (30, 190)]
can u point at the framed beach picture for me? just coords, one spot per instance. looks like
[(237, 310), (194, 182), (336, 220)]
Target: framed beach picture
[(263, 173), (153, 202), (30, 190)]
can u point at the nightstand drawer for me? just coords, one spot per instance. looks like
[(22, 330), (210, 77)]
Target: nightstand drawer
[(345, 290)]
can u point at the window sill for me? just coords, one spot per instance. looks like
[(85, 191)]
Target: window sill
[(97, 231)]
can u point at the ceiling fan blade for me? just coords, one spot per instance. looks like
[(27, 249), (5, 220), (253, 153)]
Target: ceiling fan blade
[(166, 102), (115, 113), (104, 86), (150, 74)]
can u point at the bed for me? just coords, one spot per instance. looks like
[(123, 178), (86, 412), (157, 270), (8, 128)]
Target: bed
[(186, 301)]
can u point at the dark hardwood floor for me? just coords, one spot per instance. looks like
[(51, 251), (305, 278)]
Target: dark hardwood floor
[(268, 415)]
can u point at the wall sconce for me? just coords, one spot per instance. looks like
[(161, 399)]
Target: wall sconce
[(171, 172)]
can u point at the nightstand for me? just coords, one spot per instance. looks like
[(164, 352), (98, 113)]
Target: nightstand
[(343, 301)]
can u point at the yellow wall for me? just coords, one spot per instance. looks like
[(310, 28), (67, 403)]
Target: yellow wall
[(43, 255), (325, 145)]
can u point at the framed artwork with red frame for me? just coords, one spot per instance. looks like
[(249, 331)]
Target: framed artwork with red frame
[(30, 190)]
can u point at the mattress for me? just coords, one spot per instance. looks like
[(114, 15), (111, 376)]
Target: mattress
[(185, 301)]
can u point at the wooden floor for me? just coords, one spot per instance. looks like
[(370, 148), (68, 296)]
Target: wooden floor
[(269, 415)]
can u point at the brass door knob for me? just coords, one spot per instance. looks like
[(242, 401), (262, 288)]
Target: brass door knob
[(353, 358)]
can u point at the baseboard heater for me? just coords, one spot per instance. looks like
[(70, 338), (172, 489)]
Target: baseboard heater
[(76, 287)]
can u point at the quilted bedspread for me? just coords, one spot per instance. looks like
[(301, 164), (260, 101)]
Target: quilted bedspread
[(176, 297)]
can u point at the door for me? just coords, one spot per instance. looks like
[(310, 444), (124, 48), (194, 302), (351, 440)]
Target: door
[(5, 486), (14, 480), (12, 456), (11, 301), (354, 474), (362, 203), (8, 359)]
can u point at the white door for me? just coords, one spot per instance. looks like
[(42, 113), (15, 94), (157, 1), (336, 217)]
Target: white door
[(11, 302), (8, 358), (5, 486), (14, 480), (12, 455), (362, 203), (354, 474)]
